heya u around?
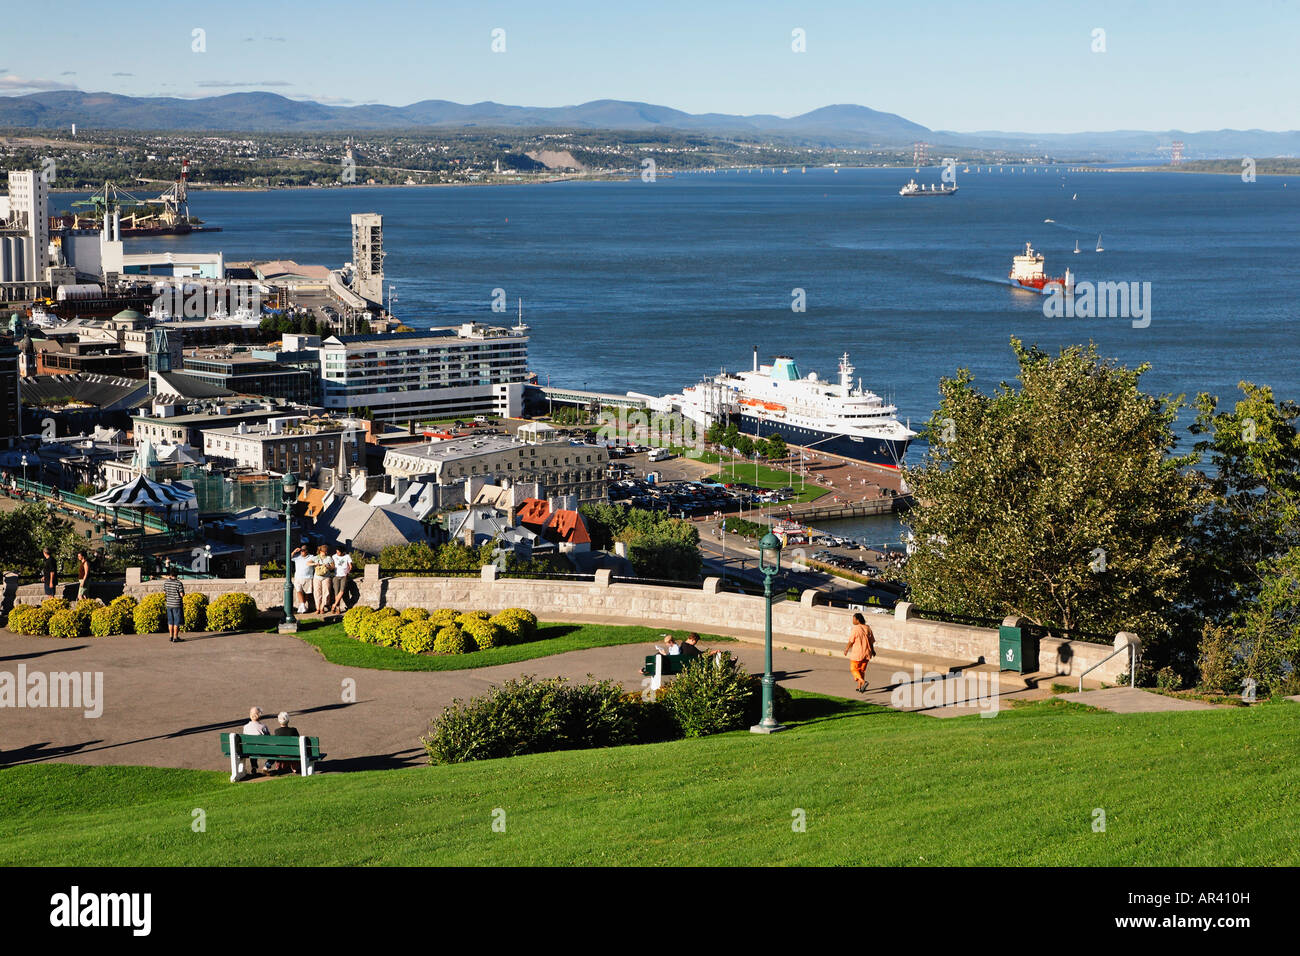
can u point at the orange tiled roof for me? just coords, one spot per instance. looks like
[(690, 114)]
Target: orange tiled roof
[(315, 499), (566, 526), (534, 511)]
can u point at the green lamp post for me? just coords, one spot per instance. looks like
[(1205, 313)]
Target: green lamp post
[(769, 562), (290, 624)]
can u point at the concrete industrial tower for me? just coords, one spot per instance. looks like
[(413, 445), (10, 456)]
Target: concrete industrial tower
[(368, 256), (25, 247)]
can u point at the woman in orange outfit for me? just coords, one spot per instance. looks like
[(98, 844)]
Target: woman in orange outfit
[(861, 648)]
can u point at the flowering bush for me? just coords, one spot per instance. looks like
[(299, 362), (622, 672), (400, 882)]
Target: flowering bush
[(30, 619), (388, 632), (113, 619), (484, 633), (53, 604), (443, 616), (524, 622), (352, 618), (66, 623), (123, 601), (232, 612), (415, 614), (452, 640), (150, 614), (417, 637), (468, 616), (196, 612), (366, 629), (88, 606)]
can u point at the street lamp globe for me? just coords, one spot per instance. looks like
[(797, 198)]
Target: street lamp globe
[(290, 486), (769, 554)]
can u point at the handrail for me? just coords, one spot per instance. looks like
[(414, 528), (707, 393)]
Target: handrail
[(1131, 647)]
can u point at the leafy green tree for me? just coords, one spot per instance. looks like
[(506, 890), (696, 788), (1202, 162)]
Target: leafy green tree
[(1253, 515), (713, 434), (731, 435), (744, 445), (1058, 500), (776, 446), (29, 528)]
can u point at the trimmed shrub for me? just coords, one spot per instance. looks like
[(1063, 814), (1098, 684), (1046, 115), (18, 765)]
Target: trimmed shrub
[(150, 615), (53, 604), (111, 620), (196, 612), (88, 606), (232, 612), (510, 630), (709, 696), (124, 601), (388, 632), (415, 614), (65, 623), (1166, 678), (35, 620), (468, 616), (416, 637), (352, 618), (484, 633), (452, 640), (366, 628), (527, 715), (443, 616), (518, 621)]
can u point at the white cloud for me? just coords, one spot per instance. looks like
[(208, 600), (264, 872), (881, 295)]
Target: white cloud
[(32, 86), (231, 84)]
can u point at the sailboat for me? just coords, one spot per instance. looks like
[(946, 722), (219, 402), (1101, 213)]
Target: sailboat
[(1099, 242), (519, 326), (1076, 247), (1075, 196)]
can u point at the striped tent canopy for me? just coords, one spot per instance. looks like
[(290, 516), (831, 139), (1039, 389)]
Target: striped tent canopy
[(142, 492)]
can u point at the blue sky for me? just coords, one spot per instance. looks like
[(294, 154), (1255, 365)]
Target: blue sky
[(963, 66)]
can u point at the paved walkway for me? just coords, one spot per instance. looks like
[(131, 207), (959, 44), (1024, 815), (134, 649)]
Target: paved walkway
[(164, 704), (1134, 700)]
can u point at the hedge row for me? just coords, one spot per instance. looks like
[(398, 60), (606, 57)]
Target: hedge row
[(527, 715), (443, 631), (90, 617)]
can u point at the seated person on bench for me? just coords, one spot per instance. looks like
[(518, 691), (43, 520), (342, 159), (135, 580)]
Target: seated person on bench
[(284, 730), (691, 647), (255, 728)]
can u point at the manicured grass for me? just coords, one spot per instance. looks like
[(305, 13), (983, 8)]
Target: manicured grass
[(876, 787), (768, 477), (338, 648)]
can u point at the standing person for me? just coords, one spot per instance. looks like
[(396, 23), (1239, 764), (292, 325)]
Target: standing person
[(860, 650), (83, 575), (302, 566), (50, 574), (174, 592), (342, 568), (322, 574)]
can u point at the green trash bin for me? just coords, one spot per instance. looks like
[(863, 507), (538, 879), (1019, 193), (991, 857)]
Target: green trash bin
[(1017, 650)]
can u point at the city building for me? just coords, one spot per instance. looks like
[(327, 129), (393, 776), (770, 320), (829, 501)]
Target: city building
[(441, 373), (11, 419), (368, 256), (184, 422), (561, 468), (24, 235), (252, 372), (286, 443)]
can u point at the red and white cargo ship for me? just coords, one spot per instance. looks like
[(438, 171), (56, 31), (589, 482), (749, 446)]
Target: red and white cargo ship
[(1027, 273)]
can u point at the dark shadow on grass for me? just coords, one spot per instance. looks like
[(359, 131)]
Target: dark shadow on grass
[(397, 760), (815, 709)]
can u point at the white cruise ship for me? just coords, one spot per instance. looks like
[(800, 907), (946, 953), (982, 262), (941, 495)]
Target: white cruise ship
[(838, 418)]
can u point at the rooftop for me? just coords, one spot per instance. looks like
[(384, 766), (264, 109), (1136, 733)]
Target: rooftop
[(439, 335), (457, 448)]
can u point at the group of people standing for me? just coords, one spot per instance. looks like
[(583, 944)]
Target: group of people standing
[(321, 577)]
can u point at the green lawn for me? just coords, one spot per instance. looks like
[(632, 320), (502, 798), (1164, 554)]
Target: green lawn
[(876, 787), (338, 648), (767, 477)]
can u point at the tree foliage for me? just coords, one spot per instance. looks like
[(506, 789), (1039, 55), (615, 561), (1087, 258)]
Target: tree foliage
[(658, 546), (29, 528), (1058, 500)]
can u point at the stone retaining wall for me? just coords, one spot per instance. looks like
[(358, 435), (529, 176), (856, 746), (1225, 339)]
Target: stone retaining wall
[(707, 609)]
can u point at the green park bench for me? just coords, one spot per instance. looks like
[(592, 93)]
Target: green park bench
[(305, 751), (659, 666)]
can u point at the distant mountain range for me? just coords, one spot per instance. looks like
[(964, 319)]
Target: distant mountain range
[(841, 125)]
